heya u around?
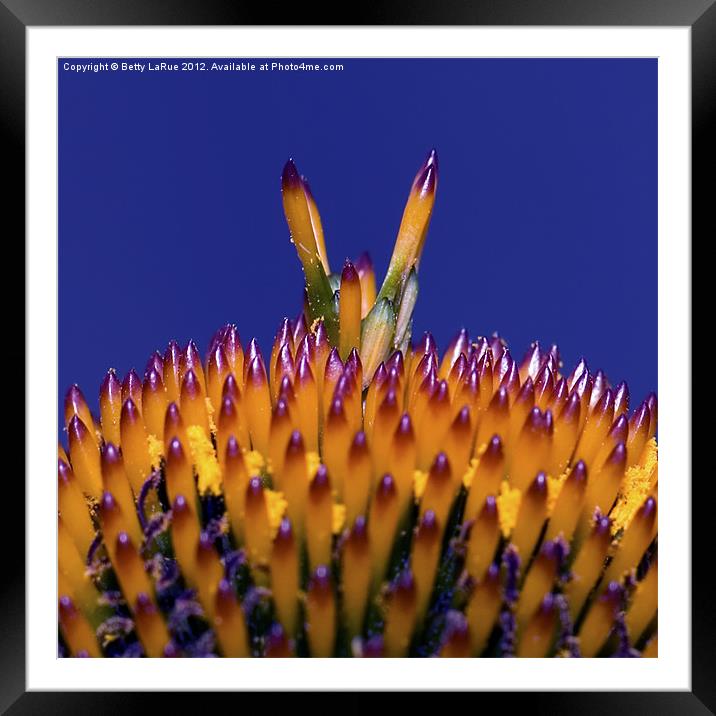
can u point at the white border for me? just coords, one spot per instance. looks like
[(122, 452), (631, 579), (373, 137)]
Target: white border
[(672, 669)]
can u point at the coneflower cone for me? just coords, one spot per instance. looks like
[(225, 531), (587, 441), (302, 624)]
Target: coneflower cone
[(358, 494)]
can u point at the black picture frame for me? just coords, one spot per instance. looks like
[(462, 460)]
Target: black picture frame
[(699, 15)]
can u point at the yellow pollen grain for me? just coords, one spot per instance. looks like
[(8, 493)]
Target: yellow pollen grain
[(204, 459), (313, 462), (469, 473), (339, 518), (276, 508), (639, 481), (314, 325), (554, 487), (156, 450), (210, 414), (255, 462), (508, 506), (420, 479), (108, 638)]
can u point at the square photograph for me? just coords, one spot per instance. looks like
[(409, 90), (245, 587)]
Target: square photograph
[(357, 357)]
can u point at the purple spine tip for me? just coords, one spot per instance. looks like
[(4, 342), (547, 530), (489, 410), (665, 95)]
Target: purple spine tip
[(110, 383), (175, 449), (63, 470), (405, 582), (232, 448), (76, 427), (618, 455), (284, 531), (255, 487), (191, 383), (579, 473), (110, 453), (405, 425), (463, 417), (442, 394), (620, 429), (426, 181), (321, 578), (386, 487), (281, 409), (649, 507), (613, 592), (154, 381), (225, 590), (206, 541), (74, 394), (360, 527), (290, 178), (336, 407), (396, 362), (540, 483), (548, 603), (108, 504), (429, 523), (441, 464), (364, 263), (320, 480), (130, 409), (534, 419), (349, 273), (603, 525)]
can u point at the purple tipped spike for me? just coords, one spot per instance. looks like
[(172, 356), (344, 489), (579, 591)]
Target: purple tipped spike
[(110, 453), (386, 487), (360, 441), (285, 532), (300, 329), (359, 531), (155, 363), (539, 484), (532, 361), (441, 466), (320, 484), (295, 441), (579, 472), (493, 452), (321, 579), (426, 181), (233, 448), (619, 431), (191, 384), (396, 361), (490, 506), (621, 398), (290, 178)]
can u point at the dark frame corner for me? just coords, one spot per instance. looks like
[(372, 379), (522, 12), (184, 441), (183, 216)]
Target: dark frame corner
[(700, 15)]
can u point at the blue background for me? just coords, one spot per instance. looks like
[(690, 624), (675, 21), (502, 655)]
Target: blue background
[(545, 224)]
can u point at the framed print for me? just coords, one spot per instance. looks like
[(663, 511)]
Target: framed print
[(370, 343)]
